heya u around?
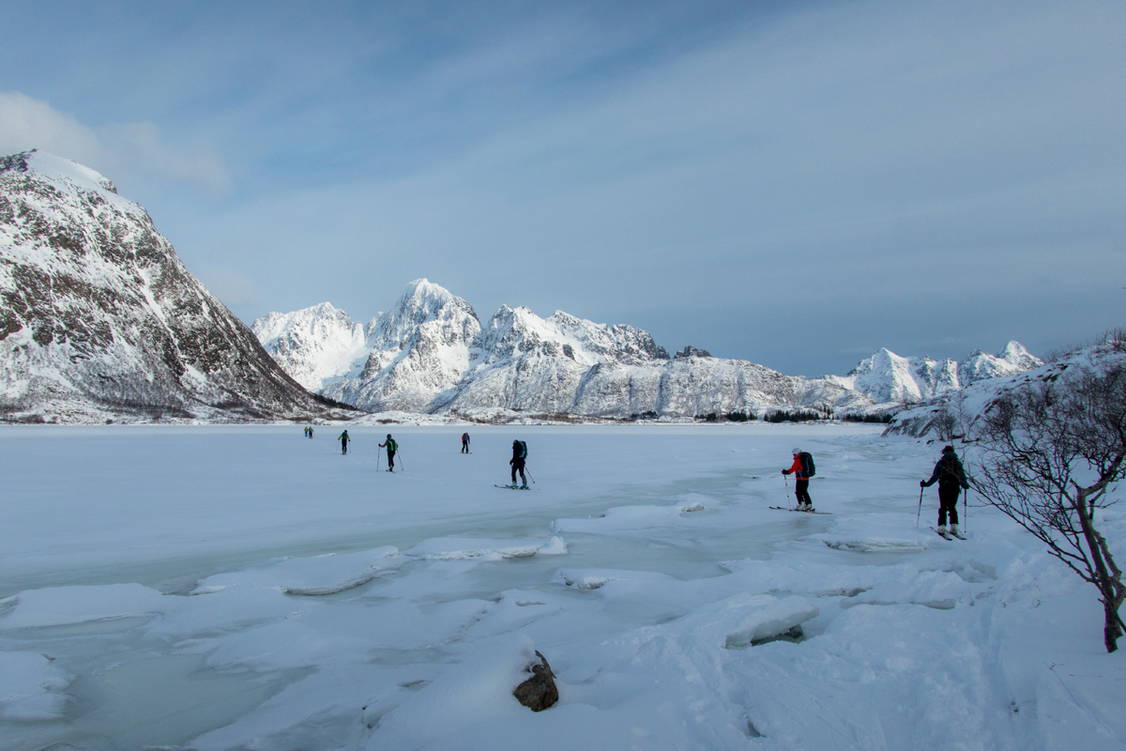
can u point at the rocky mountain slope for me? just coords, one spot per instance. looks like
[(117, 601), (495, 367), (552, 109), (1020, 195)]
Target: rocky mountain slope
[(430, 353), (101, 321)]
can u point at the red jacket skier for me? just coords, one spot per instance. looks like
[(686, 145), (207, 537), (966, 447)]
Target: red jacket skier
[(802, 469)]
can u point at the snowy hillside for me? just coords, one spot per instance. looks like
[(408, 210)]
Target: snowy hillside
[(101, 321), (957, 413), (429, 353)]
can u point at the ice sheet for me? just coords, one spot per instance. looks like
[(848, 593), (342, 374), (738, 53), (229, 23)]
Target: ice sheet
[(246, 588)]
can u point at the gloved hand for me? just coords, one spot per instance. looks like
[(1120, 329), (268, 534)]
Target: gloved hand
[(922, 483), (785, 472)]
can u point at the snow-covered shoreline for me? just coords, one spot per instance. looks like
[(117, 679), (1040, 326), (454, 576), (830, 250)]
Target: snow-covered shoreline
[(221, 587)]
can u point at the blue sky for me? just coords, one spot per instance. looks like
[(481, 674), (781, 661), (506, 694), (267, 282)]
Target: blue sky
[(795, 183)]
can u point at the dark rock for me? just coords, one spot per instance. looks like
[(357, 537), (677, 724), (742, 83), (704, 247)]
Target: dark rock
[(538, 692)]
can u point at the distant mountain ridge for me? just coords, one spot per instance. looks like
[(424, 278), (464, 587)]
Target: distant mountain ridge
[(101, 321), (959, 414), (430, 353), (888, 377)]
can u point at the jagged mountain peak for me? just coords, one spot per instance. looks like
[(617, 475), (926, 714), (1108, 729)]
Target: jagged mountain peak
[(1013, 359), (1018, 354), (423, 300)]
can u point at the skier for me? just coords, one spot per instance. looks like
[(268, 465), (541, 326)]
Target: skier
[(310, 431), (465, 443), (519, 454), (951, 479), (392, 447), (344, 438), (803, 469)]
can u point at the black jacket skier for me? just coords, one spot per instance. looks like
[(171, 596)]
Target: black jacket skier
[(951, 479), (344, 439), (519, 455)]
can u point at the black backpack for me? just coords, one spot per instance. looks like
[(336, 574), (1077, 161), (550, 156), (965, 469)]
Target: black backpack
[(807, 467), (523, 450)]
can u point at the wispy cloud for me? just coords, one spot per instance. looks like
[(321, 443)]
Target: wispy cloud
[(26, 123)]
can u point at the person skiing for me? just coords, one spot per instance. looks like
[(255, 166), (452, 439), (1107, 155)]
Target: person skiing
[(391, 447), (802, 469), (519, 455), (344, 438), (465, 443), (951, 479), (310, 431)]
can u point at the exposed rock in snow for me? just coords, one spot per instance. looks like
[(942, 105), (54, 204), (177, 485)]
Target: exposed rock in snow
[(100, 319), (538, 692)]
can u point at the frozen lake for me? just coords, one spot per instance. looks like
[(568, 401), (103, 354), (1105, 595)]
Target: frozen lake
[(244, 587)]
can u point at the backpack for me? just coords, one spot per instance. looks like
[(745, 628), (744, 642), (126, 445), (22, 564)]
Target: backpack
[(523, 450), (807, 467), (392, 445)]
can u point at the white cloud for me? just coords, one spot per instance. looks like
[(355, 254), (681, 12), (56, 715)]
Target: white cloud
[(27, 123)]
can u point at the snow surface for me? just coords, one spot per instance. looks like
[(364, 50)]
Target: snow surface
[(246, 588)]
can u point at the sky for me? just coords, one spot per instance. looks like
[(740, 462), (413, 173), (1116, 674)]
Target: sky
[(794, 183)]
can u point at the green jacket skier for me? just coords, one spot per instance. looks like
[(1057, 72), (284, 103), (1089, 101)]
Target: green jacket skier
[(392, 446)]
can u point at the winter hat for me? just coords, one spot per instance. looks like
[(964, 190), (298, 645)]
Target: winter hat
[(948, 450)]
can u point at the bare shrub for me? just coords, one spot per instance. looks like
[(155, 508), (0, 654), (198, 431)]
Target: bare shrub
[(1052, 454)]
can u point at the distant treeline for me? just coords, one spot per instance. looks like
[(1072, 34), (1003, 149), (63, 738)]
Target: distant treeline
[(783, 415)]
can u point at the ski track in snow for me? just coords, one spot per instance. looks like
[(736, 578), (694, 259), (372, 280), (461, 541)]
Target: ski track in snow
[(247, 588)]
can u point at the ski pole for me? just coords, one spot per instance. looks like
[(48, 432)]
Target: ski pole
[(399, 454), (529, 474), (378, 454), (965, 509), (920, 511)]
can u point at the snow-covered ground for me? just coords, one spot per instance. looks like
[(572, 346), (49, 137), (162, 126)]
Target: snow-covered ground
[(247, 588)]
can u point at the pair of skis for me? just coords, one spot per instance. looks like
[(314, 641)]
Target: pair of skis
[(798, 510), (948, 535), (513, 487)]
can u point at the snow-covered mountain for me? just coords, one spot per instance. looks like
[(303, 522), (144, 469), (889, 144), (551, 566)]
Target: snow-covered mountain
[(313, 345), (957, 413), (888, 377), (100, 320), (430, 353)]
